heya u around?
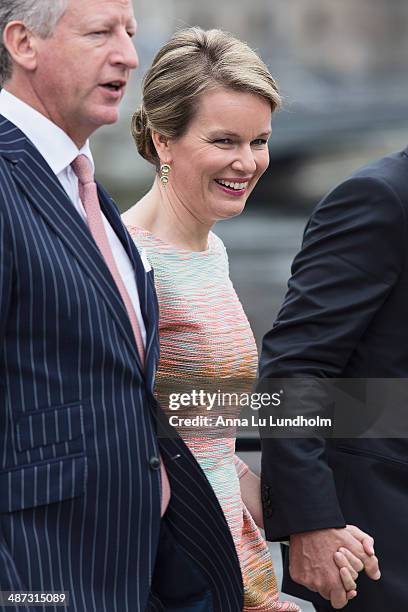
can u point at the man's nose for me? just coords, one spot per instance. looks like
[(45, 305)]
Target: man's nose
[(133, 58), (126, 53)]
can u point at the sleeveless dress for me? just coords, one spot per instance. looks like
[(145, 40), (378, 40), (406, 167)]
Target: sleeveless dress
[(204, 333)]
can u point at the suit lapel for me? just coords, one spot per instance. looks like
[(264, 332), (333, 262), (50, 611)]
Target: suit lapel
[(45, 193), (144, 280)]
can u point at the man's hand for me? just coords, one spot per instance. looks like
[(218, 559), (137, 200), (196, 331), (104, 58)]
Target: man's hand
[(312, 560)]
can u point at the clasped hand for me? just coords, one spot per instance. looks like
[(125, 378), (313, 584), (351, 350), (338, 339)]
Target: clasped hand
[(328, 561)]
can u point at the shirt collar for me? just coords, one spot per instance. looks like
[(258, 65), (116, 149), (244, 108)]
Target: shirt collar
[(57, 148)]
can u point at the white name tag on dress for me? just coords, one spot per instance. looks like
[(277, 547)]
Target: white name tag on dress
[(144, 259)]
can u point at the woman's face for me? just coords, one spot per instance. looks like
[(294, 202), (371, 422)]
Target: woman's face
[(218, 161)]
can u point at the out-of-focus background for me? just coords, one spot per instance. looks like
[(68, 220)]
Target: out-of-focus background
[(342, 69)]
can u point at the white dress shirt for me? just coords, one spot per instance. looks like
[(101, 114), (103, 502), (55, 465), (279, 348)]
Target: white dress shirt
[(59, 151)]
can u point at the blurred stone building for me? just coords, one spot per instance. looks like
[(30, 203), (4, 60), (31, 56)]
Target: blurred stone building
[(347, 37)]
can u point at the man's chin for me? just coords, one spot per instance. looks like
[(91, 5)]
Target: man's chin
[(107, 116), (91, 122)]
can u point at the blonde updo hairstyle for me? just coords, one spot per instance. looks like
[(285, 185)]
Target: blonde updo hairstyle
[(192, 62)]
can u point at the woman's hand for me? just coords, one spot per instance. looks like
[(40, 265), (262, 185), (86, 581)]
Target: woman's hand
[(349, 566), (313, 564), (250, 485)]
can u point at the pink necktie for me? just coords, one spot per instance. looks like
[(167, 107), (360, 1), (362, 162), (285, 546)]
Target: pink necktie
[(88, 193)]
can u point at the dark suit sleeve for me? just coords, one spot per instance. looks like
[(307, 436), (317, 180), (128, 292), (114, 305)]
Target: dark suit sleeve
[(5, 276), (351, 257)]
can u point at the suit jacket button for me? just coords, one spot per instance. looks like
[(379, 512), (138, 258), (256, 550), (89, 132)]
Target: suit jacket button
[(154, 463)]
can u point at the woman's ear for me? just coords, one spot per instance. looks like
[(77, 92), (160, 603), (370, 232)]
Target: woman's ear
[(162, 146)]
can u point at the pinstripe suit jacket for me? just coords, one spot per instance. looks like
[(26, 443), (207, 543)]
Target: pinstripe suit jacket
[(79, 495)]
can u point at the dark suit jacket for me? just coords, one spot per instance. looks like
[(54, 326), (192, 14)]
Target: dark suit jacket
[(79, 477), (345, 315)]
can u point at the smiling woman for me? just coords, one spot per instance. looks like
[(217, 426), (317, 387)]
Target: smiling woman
[(215, 164), (206, 113), (204, 123)]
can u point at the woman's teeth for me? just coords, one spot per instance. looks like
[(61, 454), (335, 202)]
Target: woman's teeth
[(236, 186)]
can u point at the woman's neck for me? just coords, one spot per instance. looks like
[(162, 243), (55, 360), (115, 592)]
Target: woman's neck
[(164, 215)]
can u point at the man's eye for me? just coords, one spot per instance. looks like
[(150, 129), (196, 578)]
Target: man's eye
[(100, 32), (259, 142), (224, 141)]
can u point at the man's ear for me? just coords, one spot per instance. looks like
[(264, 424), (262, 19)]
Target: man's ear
[(162, 146), (20, 42)]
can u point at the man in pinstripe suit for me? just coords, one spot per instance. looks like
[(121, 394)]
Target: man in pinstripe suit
[(80, 458)]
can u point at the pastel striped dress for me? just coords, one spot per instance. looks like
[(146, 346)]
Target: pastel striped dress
[(205, 334)]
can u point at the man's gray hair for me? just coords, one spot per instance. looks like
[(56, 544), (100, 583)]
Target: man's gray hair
[(40, 16)]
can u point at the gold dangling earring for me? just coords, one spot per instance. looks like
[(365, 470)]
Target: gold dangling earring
[(164, 173)]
